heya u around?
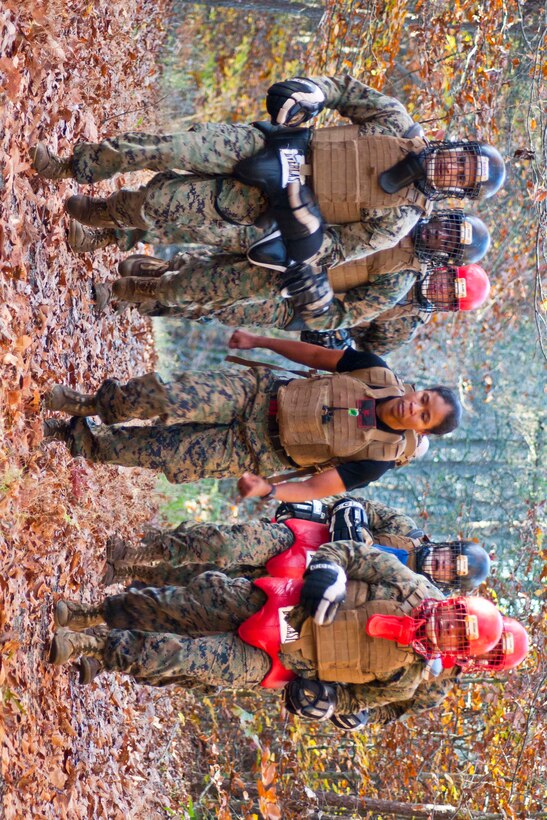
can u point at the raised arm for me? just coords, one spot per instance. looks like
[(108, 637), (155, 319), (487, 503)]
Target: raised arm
[(314, 356)]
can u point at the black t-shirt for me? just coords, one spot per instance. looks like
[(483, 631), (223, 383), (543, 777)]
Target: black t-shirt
[(360, 473)]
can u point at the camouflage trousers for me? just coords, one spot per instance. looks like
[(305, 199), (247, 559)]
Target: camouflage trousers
[(186, 635), (204, 198), (190, 549), (217, 425)]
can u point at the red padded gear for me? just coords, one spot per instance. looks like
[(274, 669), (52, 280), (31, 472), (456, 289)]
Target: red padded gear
[(308, 537), (263, 629)]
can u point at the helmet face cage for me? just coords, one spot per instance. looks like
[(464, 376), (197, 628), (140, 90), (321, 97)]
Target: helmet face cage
[(446, 229), (436, 291), (458, 563), (461, 158), (445, 622), (508, 653)]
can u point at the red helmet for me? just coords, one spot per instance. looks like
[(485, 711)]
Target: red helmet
[(510, 650), (454, 630), (472, 287)]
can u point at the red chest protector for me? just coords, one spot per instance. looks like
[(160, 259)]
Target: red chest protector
[(308, 537), (267, 628)]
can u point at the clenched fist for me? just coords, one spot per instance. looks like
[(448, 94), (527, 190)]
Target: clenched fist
[(252, 486), (242, 340)]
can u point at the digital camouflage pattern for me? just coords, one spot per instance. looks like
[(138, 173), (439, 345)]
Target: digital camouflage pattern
[(228, 288), (391, 329), (186, 635), (213, 150), (236, 549), (429, 695), (217, 425)]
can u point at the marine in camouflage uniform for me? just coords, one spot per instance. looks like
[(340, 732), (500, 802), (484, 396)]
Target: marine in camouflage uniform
[(219, 287), (209, 154), (186, 635), (175, 556)]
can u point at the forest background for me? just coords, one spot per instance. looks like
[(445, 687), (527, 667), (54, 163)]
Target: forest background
[(73, 70)]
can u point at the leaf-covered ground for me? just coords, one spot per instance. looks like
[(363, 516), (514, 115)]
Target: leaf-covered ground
[(69, 70)]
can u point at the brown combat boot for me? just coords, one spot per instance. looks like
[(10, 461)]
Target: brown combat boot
[(103, 294), (69, 401), (77, 616), (90, 211), (57, 430), (138, 264), (68, 646), (88, 669), (135, 289), (87, 240), (48, 164)]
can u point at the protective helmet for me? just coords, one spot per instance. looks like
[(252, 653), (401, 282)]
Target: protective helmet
[(451, 237), (509, 652), (454, 630), (464, 565), (452, 289), (461, 169)]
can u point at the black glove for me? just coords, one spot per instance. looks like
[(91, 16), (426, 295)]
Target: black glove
[(323, 591), (310, 699), (293, 102), (332, 339), (305, 511), (310, 292), (348, 519), (349, 723)]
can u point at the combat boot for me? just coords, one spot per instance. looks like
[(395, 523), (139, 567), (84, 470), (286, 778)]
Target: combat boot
[(87, 240), (135, 289), (67, 646), (66, 400), (88, 669), (103, 295), (48, 164), (57, 430), (138, 264), (90, 211), (77, 616)]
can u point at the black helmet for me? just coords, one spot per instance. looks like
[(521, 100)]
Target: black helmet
[(466, 565), (467, 170), (451, 236)]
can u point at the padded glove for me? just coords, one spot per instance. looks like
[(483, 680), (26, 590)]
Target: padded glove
[(311, 699), (348, 519), (349, 723), (304, 510), (331, 339), (293, 102), (323, 591), (308, 289)]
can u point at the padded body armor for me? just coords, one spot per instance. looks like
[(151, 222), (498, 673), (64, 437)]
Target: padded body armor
[(308, 537), (327, 420), (343, 651), (346, 167), (392, 260)]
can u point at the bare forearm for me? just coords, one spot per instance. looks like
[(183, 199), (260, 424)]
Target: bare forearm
[(310, 355)]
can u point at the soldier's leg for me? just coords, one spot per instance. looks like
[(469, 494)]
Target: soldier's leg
[(252, 543), (156, 659), (209, 148), (211, 603), (183, 452)]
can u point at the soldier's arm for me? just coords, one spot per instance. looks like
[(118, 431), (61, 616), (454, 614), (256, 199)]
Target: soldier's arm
[(389, 331), (351, 698), (365, 302), (382, 228), (364, 105), (387, 520), (364, 562), (428, 695)]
